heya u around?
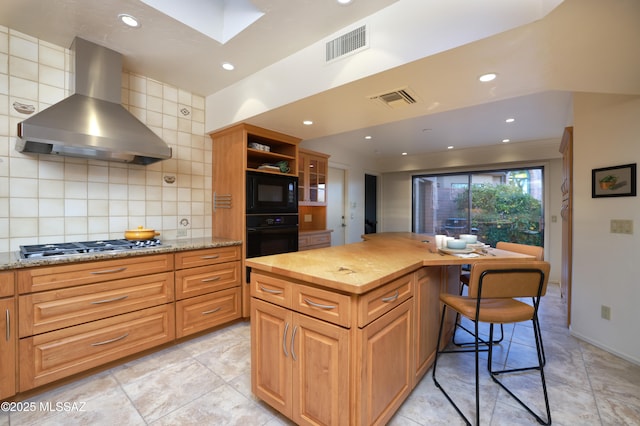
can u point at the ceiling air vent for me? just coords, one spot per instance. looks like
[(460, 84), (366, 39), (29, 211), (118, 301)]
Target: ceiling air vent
[(347, 43), (397, 98)]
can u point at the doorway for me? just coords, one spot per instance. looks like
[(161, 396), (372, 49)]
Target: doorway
[(370, 204), (336, 205)]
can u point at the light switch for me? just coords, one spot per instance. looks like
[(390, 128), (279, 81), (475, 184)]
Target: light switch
[(621, 226)]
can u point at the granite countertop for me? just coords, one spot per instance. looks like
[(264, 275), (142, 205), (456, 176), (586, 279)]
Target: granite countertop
[(10, 260), (361, 267)]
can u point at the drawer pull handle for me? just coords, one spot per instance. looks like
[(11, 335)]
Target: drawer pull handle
[(212, 311), (8, 317), (110, 340), (114, 299), (318, 305), (293, 340), (212, 256), (267, 290), (284, 340), (109, 271), (208, 280), (391, 298)]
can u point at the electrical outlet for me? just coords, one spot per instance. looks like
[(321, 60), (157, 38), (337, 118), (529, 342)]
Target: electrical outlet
[(605, 312), (181, 233), (621, 226), (308, 218)]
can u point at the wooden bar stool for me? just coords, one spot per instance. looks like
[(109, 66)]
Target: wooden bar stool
[(493, 289)]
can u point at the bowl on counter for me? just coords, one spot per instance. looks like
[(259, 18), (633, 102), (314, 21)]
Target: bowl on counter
[(469, 238), (456, 244)]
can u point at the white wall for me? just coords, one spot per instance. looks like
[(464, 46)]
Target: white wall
[(606, 133)]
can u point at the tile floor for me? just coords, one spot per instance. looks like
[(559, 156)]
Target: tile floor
[(206, 381)]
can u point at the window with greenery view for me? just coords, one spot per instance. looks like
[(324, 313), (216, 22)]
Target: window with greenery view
[(500, 205)]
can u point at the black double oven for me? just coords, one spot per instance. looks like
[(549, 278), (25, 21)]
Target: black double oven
[(272, 214)]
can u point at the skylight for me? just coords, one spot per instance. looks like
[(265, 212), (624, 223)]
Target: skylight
[(220, 20)]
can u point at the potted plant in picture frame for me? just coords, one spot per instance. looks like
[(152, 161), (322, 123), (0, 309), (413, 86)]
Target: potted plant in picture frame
[(608, 182)]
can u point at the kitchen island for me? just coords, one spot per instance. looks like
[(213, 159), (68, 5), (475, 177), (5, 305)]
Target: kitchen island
[(341, 335)]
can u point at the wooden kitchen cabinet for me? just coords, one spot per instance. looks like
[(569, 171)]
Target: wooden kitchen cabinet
[(309, 240), (426, 318), (323, 357), (75, 317), (51, 310), (74, 274), (208, 290), (48, 357), (387, 375), (301, 365), (313, 168), (8, 333), (232, 158)]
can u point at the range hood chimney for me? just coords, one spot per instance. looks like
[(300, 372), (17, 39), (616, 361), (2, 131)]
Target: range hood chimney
[(92, 123)]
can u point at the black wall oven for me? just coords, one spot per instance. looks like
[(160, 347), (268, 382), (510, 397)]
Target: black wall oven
[(271, 234)]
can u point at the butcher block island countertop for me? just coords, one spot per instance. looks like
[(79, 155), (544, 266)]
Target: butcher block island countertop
[(341, 335), (361, 267)]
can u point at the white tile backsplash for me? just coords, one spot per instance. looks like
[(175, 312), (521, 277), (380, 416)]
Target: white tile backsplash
[(50, 207), (45, 199), (23, 68)]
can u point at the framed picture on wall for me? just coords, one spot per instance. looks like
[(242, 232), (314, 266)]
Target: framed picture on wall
[(618, 181)]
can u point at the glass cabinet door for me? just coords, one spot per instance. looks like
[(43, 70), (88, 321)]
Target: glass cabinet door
[(312, 179), (301, 179)]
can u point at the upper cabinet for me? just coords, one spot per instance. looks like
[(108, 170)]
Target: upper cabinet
[(271, 152), (312, 178)]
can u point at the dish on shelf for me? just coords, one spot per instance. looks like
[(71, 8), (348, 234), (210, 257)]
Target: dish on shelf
[(456, 251), (268, 167)]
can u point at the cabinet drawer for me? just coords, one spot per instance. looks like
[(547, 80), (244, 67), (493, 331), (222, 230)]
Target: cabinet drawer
[(53, 277), (313, 240), (202, 312), (381, 300), (52, 310), (271, 289), (205, 279), (58, 354), (7, 287), (322, 304), (193, 258)]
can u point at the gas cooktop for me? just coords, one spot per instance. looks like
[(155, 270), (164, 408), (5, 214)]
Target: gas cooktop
[(47, 251)]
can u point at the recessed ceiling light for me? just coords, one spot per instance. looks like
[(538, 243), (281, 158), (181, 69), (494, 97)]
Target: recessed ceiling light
[(307, 122), (368, 137), (404, 153), (506, 140), (487, 77), (450, 147), (344, 2), (129, 20), (509, 120), (228, 66)]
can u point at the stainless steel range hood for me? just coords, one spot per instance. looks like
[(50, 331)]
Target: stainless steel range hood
[(92, 123)]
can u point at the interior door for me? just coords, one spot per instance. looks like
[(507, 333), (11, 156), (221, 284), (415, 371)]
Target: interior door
[(336, 205), (370, 204)]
